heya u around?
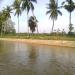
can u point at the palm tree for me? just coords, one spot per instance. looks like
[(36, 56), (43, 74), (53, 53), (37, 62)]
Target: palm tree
[(32, 23), (4, 16), (16, 6), (69, 5), (53, 10), (8, 11), (7, 14), (27, 5)]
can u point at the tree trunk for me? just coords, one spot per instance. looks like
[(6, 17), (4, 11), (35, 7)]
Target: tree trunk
[(70, 18), (34, 16), (33, 12), (53, 25), (1, 30), (18, 24), (27, 24), (37, 29)]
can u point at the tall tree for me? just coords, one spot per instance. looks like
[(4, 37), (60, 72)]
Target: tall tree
[(32, 23), (17, 7), (69, 5), (8, 26), (27, 5), (7, 12), (53, 10), (4, 16)]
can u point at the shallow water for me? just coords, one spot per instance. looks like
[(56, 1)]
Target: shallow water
[(18, 58)]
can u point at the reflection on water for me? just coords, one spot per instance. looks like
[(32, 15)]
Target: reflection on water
[(26, 59)]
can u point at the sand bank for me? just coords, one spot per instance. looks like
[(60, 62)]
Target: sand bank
[(44, 42)]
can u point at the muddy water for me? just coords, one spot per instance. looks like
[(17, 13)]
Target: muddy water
[(18, 58)]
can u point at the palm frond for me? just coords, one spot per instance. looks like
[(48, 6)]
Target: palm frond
[(16, 6), (32, 6), (62, 3), (59, 12), (48, 12), (34, 1)]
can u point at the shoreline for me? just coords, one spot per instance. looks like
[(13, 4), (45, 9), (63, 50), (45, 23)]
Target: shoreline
[(59, 43)]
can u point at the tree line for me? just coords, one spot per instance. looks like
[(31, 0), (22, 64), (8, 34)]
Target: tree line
[(53, 7)]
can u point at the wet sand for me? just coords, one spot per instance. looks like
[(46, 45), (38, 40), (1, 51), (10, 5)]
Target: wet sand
[(61, 43)]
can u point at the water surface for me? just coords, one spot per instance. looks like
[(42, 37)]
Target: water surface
[(18, 58)]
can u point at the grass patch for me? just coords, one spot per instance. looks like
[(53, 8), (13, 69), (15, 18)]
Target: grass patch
[(39, 36)]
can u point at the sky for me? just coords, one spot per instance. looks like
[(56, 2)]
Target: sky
[(44, 23)]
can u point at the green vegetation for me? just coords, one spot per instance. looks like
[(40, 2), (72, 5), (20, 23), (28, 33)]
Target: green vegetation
[(53, 10), (17, 8), (70, 7), (32, 23), (6, 24), (43, 36), (26, 5)]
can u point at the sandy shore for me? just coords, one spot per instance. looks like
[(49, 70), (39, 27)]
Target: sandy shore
[(43, 42)]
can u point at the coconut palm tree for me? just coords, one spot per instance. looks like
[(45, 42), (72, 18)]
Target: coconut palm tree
[(69, 5), (8, 11), (27, 5), (7, 14), (32, 23), (53, 10), (4, 16), (16, 6)]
